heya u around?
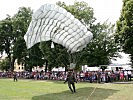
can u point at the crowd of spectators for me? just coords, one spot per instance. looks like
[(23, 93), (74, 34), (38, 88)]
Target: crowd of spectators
[(93, 76)]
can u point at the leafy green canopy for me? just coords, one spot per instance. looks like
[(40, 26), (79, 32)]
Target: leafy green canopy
[(124, 30), (101, 49)]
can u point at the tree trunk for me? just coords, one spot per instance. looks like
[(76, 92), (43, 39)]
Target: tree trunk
[(10, 61), (30, 70), (12, 64), (65, 68)]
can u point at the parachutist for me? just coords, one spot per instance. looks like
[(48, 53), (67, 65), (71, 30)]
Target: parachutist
[(71, 79), (15, 77)]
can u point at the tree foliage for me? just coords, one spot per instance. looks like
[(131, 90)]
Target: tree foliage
[(102, 47), (54, 57), (81, 11), (6, 37), (99, 51), (34, 58), (21, 22), (12, 31), (124, 30), (5, 64)]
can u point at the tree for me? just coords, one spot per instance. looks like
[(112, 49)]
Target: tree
[(81, 11), (12, 31), (54, 57), (124, 30), (99, 51), (6, 38), (34, 58), (21, 22), (5, 64), (102, 48)]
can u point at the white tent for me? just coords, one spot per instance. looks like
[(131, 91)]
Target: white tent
[(122, 66), (59, 69)]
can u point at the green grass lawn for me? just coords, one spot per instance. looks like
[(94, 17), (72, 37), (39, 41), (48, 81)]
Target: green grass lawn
[(53, 90)]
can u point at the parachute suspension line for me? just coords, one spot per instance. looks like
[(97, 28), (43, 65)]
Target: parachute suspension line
[(78, 56), (62, 58), (33, 57), (36, 55), (29, 59), (72, 60)]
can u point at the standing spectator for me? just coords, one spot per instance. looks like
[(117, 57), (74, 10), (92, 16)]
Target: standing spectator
[(86, 76), (93, 76), (82, 76), (103, 76), (121, 75), (15, 76), (117, 75), (90, 77), (99, 76), (106, 76), (129, 75), (125, 75)]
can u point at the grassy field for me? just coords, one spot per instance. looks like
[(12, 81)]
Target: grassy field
[(53, 90)]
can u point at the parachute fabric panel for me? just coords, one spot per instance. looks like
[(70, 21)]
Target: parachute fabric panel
[(51, 22)]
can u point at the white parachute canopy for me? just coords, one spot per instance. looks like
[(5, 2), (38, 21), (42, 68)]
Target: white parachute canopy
[(51, 22)]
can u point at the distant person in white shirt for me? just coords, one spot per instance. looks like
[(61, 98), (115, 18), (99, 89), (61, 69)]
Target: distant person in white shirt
[(125, 75), (129, 75)]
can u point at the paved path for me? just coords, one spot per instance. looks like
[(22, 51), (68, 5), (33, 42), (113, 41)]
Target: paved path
[(128, 82)]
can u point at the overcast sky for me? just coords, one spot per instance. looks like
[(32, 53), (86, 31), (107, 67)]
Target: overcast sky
[(103, 10)]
